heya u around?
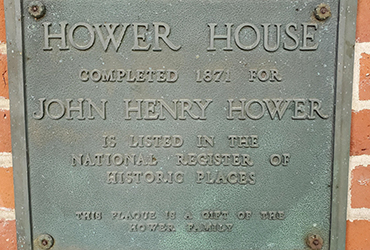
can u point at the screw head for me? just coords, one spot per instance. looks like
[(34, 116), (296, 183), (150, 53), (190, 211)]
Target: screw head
[(314, 241), (36, 9), (44, 241), (322, 12)]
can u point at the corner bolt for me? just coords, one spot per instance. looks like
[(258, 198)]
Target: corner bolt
[(44, 241), (36, 9), (322, 12), (314, 241)]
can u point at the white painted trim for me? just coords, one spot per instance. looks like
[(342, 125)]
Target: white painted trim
[(5, 160)]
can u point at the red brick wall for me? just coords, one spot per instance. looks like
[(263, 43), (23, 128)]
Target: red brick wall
[(7, 222), (358, 224), (358, 214)]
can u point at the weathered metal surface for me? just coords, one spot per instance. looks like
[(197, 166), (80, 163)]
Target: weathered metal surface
[(168, 136)]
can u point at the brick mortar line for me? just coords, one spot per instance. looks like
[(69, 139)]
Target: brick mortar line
[(4, 103), (358, 214), (3, 48), (360, 105), (7, 214), (358, 160), (6, 160), (357, 104)]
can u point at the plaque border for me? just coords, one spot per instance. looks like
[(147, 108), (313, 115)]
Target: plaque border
[(342, 129), (343, 96)]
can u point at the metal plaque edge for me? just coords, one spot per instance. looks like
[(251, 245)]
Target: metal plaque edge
[(342, 130)]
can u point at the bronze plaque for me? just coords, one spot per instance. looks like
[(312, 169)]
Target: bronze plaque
[(180, 124)]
